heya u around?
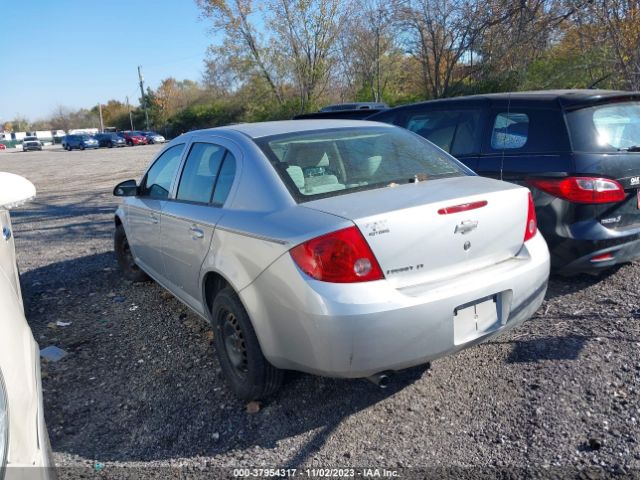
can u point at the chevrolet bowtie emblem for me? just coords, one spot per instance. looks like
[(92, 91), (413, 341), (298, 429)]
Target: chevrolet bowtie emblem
[(466, 226)]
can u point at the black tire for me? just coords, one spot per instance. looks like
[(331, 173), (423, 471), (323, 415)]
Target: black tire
[(110, 145), (81, 147), (248, 373), (127, 264), (130, 143)]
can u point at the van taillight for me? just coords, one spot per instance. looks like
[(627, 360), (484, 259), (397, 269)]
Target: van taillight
[(338, 257), (581, 189), (531, 226)]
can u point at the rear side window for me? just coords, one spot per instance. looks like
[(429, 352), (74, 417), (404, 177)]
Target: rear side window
[(200, 172), (510, 130), (454, 131), (527, 130), (158, 180)]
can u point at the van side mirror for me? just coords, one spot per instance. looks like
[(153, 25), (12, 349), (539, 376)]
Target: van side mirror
[(128, 188)]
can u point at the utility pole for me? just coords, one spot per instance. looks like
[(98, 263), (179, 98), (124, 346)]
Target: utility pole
[(101, 122), (144, 98), (130, 116)]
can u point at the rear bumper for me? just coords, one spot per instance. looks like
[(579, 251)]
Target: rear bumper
[(572, 253), (357, 330), (620, 253)]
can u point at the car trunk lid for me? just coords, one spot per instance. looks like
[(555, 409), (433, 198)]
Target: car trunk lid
[(417, 237)]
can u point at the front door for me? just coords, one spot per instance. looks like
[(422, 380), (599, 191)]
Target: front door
[(143, 211)]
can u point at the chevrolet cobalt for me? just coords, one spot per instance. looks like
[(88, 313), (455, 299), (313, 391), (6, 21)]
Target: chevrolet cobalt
[(339, 248)]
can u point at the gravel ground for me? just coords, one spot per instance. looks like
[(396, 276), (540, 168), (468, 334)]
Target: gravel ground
[(141, 386)]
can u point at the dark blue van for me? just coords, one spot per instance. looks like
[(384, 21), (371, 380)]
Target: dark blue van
[(577, 150)]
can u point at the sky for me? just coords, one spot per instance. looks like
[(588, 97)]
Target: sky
[(77, 53)]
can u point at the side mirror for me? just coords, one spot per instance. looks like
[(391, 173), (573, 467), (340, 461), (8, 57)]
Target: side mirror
[(15, 190), (128, 188)]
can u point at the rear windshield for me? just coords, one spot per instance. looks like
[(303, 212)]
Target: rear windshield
[(326, 163), (606, 128)]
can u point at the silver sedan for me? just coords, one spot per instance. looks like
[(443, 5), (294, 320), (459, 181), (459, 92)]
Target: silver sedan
[(339, 248)]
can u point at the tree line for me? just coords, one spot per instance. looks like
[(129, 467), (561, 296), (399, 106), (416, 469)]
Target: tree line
[(276, 58)]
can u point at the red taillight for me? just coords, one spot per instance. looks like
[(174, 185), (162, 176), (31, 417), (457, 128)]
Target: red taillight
[(532, 222), (338, 257), (581, 189)]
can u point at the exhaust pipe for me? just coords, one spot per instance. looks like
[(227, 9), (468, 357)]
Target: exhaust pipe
[(381, 379)]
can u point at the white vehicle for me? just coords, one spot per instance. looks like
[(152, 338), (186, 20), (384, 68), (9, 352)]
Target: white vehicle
[(24, 441)]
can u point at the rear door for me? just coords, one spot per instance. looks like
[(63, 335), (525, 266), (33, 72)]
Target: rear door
[(144, 210), (521, 140), (190, 217)]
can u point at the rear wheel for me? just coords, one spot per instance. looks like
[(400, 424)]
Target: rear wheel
[(130, 270), (81, 147), (110, 145), (248, 373), (130, 143)]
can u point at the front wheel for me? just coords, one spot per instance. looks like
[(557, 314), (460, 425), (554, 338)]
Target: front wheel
[(130, 269), (248, 373)]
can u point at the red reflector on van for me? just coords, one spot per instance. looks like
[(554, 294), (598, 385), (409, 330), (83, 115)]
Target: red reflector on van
[(462, 207), (603, 257)]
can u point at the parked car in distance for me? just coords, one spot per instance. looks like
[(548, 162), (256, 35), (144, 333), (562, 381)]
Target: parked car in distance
[(133, 138), (577, 150), (153, 137), (31, 144), (339, 248), (24, 441), (110, 140), (79, 141)]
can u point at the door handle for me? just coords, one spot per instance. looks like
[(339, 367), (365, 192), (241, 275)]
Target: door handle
[(154, 219), (6, 233), (196, 232)]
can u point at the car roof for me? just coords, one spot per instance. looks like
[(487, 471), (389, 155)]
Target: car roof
[(570, 98), (265, 129)]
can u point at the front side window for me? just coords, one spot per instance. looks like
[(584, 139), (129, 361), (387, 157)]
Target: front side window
[(158, 180), (332, 162), (454, 131), (510, 131), (200, 172)]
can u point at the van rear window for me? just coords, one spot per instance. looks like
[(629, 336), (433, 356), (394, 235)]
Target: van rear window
[(606, 128)]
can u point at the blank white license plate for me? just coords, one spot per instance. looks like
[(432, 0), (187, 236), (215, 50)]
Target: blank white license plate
[(471, 321)]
